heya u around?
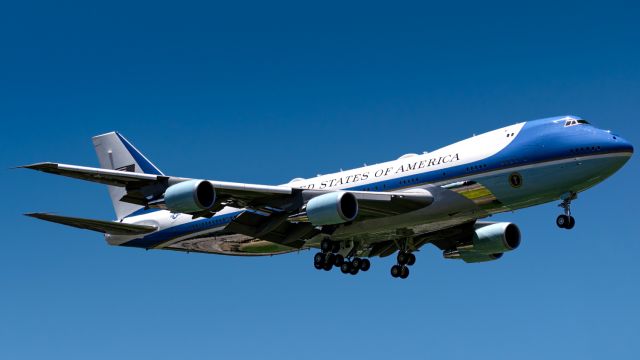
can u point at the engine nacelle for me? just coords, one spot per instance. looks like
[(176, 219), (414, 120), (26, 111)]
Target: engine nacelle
[(332, 208), (494, 238), (190, 196), (489, 242)]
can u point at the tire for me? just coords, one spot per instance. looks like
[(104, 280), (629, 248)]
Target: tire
[(562, 221), (354, 270), (412, 259), (318, 258), (403, 257), (404, 272), (395, 271), (357, 262), (318, 266), (345, 268), (339, 260), (571, 223), (327, 266), (365, 265)]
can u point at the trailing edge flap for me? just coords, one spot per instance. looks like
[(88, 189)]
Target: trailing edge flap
[(107, 227)]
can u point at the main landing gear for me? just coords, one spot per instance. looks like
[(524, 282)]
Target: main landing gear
[(566, 221), (329, 257), (401, 269)]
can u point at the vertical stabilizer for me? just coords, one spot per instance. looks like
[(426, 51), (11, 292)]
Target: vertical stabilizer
[(117, 153)]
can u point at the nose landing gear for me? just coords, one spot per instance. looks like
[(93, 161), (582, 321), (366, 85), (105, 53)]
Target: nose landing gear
[(566, 221)]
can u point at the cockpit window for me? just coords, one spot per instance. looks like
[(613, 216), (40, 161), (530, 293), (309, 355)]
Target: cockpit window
[(572, 122)]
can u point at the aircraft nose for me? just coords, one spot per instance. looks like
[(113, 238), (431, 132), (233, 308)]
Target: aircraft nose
[(619, 144)]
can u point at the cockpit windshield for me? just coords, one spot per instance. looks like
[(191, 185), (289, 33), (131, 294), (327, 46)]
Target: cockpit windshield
[(572, 122)]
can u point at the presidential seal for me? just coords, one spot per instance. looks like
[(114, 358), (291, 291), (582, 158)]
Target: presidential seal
[(515, 180)]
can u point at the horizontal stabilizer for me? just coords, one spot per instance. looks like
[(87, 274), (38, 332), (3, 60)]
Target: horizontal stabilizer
[(104, 176), (107, 227)]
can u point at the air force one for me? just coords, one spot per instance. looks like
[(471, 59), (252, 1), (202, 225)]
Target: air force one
[(397, 206)]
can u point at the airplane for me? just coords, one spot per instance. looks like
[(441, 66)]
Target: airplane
[(441, 197)]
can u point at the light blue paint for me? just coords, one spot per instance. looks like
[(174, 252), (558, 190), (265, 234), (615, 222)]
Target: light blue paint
[(325, 209)]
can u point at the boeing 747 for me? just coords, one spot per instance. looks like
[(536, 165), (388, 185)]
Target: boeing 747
[(440, 197)]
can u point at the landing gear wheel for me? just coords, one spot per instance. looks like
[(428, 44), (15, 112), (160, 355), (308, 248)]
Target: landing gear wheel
[(327, 266), (339, 260), (354, 270), (404, 272), (403, 258), (566, 221), (396, 270), (330, 258), (357, 262), (412, 259), (326, 245), (563, 221), (365, 265), (318, 266), (318, 258), (346, 267)]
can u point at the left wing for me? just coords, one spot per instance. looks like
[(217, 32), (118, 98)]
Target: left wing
[(143, 189), (146, 189)]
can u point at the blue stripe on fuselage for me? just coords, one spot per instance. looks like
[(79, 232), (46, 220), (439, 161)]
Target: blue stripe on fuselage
[(173, 232)]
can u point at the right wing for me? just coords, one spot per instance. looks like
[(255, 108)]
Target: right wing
[(445, 239)]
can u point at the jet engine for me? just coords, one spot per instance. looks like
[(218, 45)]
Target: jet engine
[(190, 196), (489, 242), (332, 208)]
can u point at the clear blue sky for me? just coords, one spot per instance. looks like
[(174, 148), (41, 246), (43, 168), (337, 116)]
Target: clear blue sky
[(265, 92)]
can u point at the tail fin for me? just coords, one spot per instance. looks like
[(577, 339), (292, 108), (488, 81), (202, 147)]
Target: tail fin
[(117, 153)]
